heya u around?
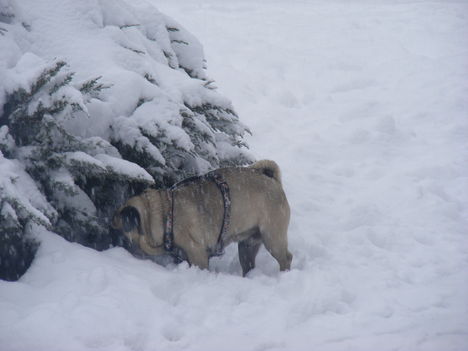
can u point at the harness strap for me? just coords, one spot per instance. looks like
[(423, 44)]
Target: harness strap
[(168, 229), (224, 188), (176, 252), (169, 246)]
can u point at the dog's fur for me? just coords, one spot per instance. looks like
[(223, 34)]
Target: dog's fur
[(259, 214)]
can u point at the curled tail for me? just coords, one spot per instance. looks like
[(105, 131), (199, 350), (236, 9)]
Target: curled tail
[(269, 168)]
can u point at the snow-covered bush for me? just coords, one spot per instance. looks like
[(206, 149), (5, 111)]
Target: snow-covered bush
[(126, 105)]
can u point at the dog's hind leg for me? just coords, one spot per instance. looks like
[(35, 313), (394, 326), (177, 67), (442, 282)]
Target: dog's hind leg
[(276, 243), (198, 257), (248, 249)]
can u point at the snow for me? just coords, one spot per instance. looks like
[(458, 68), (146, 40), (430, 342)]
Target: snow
[(119, 166), (363, 105), (112, 164), (17, 187)]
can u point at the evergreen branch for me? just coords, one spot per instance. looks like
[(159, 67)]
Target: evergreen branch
[(46, 76), (17, 103), (210, 85), (150, 79), (92, 86), (129, 26), (25, 215), (57, 107), (26, 26), (6, 17), (170, 59), (168, 55), (140, 102), (58, 85), (188, 71), (179, 42), (134, 50)]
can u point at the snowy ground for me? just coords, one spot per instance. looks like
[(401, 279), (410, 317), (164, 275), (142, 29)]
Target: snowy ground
[(364, 106)]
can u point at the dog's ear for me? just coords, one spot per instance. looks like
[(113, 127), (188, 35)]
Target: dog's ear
[(130, 218)]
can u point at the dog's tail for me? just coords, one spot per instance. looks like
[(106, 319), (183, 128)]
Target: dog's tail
[(269, 168)]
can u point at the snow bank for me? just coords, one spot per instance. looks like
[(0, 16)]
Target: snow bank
[(364, 106)]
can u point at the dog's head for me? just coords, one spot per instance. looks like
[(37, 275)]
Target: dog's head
[(135, 227)]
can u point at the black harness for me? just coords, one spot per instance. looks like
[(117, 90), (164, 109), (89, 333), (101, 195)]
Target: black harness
[(176, 252)]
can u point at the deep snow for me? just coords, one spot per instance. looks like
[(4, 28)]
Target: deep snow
[(364, 106)]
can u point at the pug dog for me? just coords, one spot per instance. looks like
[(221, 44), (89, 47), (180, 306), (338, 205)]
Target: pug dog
[(195, 213)]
